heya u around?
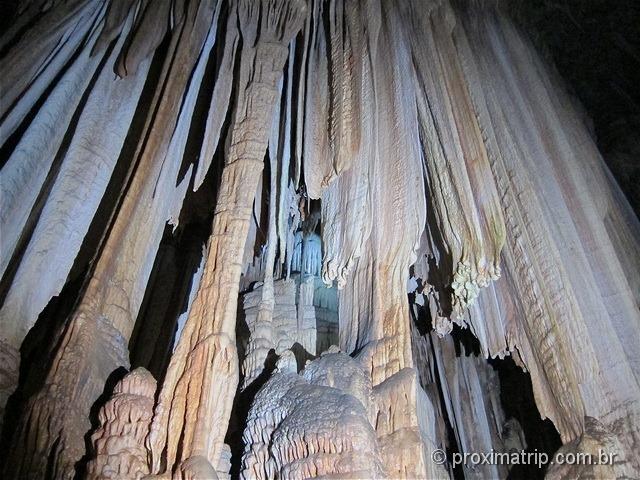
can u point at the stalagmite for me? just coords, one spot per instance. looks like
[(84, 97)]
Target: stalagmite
[(299, 239), (124, 424), (337, 441)]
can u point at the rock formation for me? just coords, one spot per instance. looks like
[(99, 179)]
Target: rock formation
[(124, 424), (305, 238), (316, 424)]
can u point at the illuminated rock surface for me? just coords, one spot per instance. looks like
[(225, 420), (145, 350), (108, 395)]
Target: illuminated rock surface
[(287, 239)]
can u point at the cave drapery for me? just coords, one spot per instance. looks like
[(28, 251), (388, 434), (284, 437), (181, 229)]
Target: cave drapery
[(304, 238)]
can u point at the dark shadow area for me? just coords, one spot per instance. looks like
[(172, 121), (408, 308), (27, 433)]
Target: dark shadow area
[(465, 341), (240, 411), (439, 270), (8, 11), (420, 317), (516, 395), (166, 297), (302, 356)]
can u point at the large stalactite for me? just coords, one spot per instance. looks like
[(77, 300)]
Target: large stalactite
[(374, 220)]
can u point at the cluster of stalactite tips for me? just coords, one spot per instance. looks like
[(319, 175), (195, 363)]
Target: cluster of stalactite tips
[(293, 239)]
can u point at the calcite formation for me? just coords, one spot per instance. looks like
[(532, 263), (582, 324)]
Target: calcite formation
[(315, 424), (124, 424), (293, 239)]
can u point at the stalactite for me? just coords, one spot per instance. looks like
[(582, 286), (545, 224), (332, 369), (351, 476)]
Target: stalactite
[(404, 219), (94, 341), (152, 22), (285, 197), (220, 99), (565, 277), (470, 387), (430, 185), (59, 34), (463, 192), (21, 180), (26, 170), (317, 165), (74, 197)]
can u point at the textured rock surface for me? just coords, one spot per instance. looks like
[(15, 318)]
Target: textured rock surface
[(119, 446), (316, 424), (94, 340), (205, 359), (606, 456), (206, 188), (74, 194)]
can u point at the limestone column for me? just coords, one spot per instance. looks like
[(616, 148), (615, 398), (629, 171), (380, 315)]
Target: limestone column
[(195, 401)]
